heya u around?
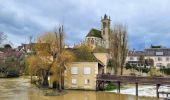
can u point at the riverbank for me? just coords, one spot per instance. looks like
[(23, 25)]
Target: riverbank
[(8, 75)]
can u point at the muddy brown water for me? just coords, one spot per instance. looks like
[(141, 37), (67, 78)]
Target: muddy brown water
[(21, 89)]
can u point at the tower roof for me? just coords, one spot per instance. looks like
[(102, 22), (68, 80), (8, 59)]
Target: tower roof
[(94, 33), (105, 16)]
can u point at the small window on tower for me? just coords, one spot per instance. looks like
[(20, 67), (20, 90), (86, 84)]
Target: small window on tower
[(103, 32), (104, 24)]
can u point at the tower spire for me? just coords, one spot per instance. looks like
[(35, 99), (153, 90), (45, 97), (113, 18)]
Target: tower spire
[(105, 16)]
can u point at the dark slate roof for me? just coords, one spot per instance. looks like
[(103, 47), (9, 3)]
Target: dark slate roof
[(136, 53), (153, 51), (94, 33)]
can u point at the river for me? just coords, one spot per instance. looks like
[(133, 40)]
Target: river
[(21, 89)]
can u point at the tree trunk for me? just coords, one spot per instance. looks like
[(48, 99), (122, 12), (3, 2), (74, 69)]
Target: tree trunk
[(115, 71), (121, 73), (31, 78), (45, 79), (60, 81)]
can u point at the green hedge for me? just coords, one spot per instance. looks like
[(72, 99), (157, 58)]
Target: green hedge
[(134, 67), (110, 87), (165, 70)]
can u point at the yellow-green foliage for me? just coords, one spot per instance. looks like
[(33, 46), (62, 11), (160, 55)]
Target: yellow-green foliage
[(50, 56)]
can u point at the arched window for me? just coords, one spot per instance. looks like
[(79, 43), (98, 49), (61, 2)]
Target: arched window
[(104, 24), (92, 41)]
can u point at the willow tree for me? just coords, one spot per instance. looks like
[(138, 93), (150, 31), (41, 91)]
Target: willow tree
[(118, 47), (34, 65), (54, 57)]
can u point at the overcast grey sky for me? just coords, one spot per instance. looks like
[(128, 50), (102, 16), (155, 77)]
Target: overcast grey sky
[(148, 21)]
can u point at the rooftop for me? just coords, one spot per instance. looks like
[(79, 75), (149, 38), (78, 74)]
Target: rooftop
[(94, 33), (84, 56)]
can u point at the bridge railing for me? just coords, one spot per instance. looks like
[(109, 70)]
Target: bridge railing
[(134, 79)]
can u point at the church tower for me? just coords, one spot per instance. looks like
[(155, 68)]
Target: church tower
[(105, 30)]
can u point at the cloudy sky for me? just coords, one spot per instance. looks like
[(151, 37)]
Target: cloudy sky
[(148, 21)]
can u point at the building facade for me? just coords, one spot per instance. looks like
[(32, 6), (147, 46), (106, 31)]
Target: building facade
[(97, 37), (82, 75), (160, 56)]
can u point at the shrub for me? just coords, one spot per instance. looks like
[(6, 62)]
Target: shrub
[(110, 87)]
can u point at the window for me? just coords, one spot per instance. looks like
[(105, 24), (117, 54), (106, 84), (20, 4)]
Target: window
[(88, 40), (92, 41), (103, 32), (86, 81), (104, 24), (74, 81), (74, 70), (159, 59), (87, 70), (131, 58), (158, 64), (168, 65), (159, 53), (167, 58)]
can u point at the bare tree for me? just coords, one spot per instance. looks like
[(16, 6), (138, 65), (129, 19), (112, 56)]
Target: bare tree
[(30, 39), (118, 47)]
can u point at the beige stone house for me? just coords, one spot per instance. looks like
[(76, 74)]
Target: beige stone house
[(82, 73)]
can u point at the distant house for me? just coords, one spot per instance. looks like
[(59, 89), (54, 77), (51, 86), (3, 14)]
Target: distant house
[(133, 57), (82, 73), (10, 60), (26, 48), (159, 54)]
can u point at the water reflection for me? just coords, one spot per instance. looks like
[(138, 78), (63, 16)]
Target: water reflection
[(20, 89)]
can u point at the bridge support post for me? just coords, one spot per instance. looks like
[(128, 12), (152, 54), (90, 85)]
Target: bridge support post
[(136, 89), (97, 86), (118, 87), (157, 88)]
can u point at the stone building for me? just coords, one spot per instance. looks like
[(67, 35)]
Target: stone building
[(97, 37), (82, 73), (159, 54)]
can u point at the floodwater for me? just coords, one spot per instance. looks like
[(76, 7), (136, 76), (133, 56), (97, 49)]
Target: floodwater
[(21, 89)]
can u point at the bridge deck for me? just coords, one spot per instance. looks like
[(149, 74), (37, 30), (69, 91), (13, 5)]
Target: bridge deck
[(104, 78), (134, 79)]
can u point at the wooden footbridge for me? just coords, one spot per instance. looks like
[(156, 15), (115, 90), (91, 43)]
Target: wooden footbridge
[(103, 79)]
